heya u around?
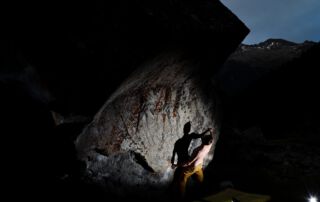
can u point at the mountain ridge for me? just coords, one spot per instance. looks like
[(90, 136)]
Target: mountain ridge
[(274, 43), (249, 63)]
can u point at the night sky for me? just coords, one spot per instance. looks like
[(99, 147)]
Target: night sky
[(293, 20)]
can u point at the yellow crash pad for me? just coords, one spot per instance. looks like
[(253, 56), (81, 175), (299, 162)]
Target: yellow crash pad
[(228, 194)]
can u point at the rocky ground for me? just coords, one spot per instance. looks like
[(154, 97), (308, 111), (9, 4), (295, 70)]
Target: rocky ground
[(285, 169)]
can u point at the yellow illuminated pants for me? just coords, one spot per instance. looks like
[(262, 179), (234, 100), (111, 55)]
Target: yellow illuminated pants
[(188, 172)]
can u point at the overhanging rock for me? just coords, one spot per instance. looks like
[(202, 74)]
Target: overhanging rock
[(128, 145)]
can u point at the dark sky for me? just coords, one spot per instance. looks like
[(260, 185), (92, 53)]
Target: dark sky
[(294, 20)]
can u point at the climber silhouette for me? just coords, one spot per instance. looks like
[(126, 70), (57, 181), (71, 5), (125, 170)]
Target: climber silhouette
[(180, 149), (181, 146)]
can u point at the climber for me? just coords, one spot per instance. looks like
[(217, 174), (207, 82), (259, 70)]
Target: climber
[(194, 165), (181, 149)]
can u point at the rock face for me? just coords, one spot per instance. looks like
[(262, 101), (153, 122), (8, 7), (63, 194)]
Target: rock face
[(131, 138), (128, 145)]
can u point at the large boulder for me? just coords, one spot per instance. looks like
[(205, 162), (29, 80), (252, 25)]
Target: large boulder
[(131, 139), (128, 146)]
